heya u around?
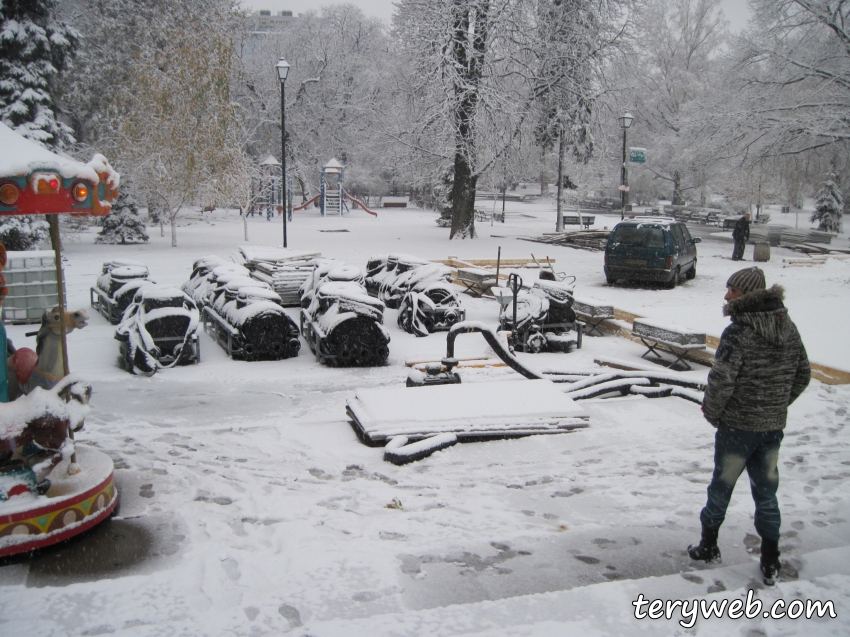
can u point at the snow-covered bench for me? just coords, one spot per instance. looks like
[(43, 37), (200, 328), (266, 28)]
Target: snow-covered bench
[(574, 220), (476, 280), (667, 337), (593, 312)]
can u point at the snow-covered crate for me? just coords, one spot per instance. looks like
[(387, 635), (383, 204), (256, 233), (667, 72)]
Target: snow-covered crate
[(668, 334), (31, 283), (472, 411)]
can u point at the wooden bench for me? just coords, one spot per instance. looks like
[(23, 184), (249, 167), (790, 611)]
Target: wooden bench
[(395, 202), (476, 280), (594, 313), (669, 338), (573, 220)]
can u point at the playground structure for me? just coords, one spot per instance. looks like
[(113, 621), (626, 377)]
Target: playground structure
[(332, 195), (266, 191)]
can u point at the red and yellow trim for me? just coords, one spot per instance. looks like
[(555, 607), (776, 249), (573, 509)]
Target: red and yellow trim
[(54, 522)]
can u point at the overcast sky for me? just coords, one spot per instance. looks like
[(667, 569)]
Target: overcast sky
[(736, 11)]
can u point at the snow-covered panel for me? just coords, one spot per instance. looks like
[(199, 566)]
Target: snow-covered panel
[(668, 332), (500, 407), (262, 253), (587, 306), (161, 292)]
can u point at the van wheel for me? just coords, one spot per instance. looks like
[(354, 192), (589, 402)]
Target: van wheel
[(674, 281), (692, 273)]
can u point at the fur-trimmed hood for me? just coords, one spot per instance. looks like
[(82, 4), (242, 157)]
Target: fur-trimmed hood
[(764, 311)]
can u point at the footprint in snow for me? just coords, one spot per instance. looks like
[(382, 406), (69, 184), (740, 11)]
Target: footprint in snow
[(231, 568)]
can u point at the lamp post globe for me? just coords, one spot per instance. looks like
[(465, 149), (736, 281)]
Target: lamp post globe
[(282, 68)]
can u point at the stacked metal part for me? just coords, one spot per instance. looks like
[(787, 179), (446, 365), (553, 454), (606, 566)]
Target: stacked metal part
[(421, 291), (116, 287), (539, 320), (340, 321), (284, 270), (244, 315), (159, 330)]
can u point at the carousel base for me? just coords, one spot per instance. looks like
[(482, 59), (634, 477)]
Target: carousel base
[(74, 504)]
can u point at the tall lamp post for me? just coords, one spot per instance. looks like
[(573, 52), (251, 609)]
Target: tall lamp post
[(625, 122), (282, 71)]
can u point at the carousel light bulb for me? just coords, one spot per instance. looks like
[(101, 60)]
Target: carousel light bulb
[(80, 192), (8, 194)]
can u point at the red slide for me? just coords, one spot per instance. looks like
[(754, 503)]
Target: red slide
[(304, 205), (360, 203)]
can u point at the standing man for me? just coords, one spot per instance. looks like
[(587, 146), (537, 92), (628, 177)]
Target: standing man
[(760, 368), (741, 234)]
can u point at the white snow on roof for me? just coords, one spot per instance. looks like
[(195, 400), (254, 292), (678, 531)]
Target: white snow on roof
[(20, 157)]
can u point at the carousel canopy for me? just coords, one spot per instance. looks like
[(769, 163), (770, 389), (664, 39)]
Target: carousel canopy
[(34, 180)]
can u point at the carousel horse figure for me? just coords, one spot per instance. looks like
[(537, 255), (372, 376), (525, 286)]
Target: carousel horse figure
[(34, 438), (48, 347)]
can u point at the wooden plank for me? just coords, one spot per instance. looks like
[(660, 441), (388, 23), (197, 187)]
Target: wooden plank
[(488, 262)]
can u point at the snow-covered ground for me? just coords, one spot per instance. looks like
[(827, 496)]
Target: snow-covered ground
[(249, 507)]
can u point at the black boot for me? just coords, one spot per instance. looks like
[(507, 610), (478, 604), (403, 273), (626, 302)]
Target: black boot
[(770, 561), (707, 550)]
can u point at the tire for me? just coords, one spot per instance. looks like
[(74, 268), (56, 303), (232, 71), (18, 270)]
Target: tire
[(692, 273), (610, 281), (674, 281)]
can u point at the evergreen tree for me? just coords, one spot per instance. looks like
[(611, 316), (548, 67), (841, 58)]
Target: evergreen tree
[(829, 206), (124, 224), (23, 232), (34, 49)]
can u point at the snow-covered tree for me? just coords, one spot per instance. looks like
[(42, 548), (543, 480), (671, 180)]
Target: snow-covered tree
[(829, 206), (573, 42), (789, 81), (674, 71), (123, 224), (34, 48), (23, 232), (464, 93), (178, 129)]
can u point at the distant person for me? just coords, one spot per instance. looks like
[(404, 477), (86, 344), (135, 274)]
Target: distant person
[(740, 235), (760, 368)]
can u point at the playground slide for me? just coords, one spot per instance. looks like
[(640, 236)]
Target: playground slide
[(360, 203), (304, 205)]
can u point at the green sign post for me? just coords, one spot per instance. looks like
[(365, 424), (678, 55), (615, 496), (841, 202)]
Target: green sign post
[(637, 155)]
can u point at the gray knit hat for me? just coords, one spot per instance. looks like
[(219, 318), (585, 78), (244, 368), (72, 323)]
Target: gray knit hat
[(747, 280)]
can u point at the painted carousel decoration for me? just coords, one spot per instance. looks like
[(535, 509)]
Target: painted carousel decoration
[(41, 403)]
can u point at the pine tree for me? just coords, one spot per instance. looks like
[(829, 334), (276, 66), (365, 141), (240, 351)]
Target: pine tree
[(829, 206), (124, 224), (34, 49)]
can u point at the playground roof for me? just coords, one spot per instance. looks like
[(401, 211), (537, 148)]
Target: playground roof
[(270, 161), (333, 165)]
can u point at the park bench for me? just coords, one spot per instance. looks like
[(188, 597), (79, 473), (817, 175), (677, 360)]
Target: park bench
[(395, 202), (476, 280), (574, 220), (593, 313), (669, 338)]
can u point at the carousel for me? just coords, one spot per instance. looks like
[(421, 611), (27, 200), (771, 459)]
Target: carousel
[(50, 488)]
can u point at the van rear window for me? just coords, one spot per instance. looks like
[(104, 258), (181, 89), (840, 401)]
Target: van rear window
[(638, 237)]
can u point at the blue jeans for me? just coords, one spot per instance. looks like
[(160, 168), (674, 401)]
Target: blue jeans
[(758, 452)]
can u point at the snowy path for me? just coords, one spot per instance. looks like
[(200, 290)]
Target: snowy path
[(248, 506)]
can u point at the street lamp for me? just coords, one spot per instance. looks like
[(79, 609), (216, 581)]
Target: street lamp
[(282, 71), (625, 122)]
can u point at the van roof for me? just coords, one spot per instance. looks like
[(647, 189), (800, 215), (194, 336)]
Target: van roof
[(655, 221)]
